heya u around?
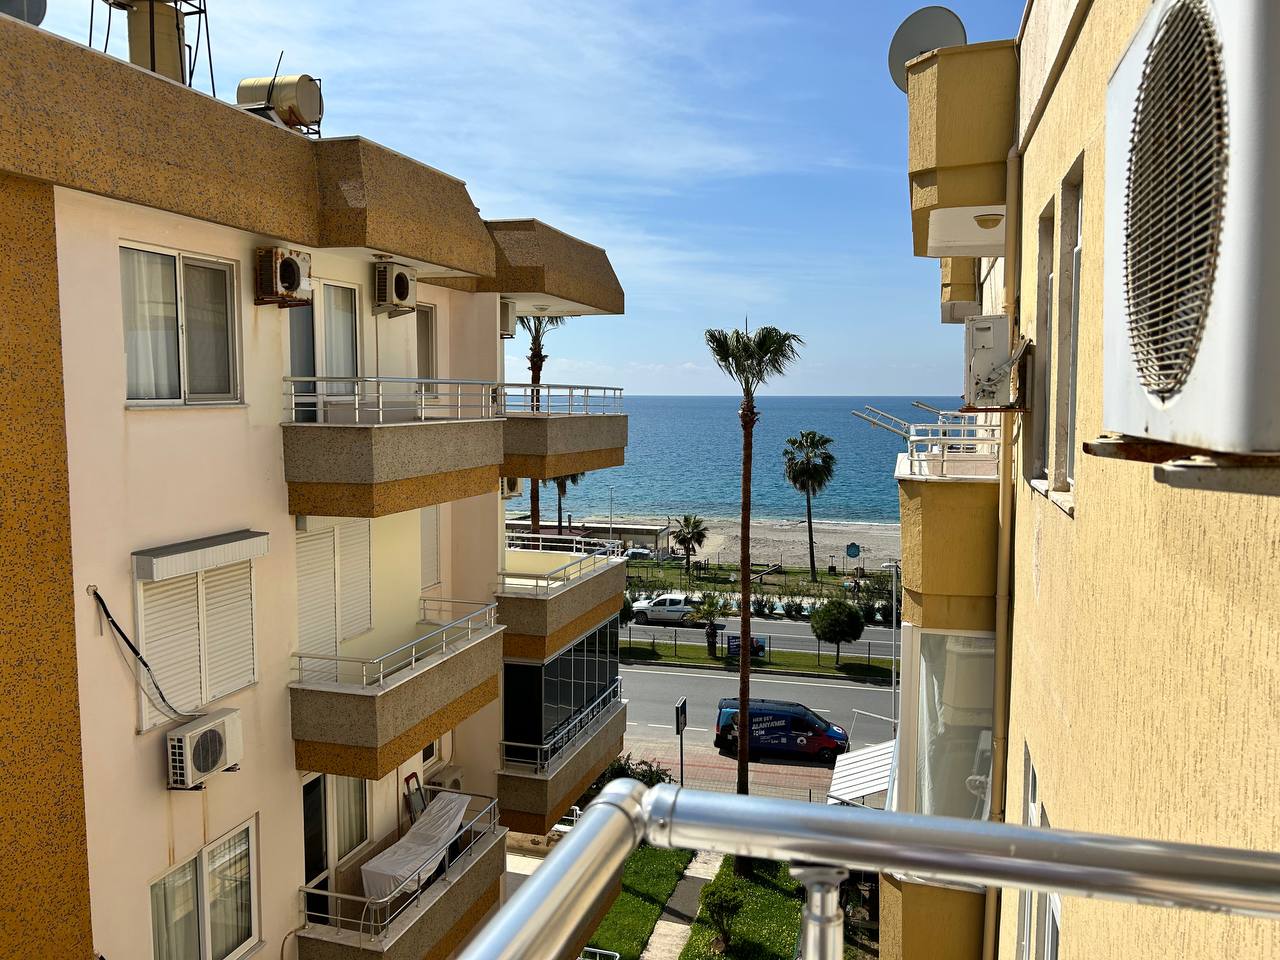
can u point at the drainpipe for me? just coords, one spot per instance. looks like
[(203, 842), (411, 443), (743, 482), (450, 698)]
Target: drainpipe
[(1000, 720)]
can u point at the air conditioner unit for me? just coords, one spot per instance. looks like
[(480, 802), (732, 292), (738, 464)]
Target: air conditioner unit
[(199, 749), (1191, 345), (448, 778), (958, 311), (395, 288), (986, 361), (507, 319), (282, 276), (512, 487)]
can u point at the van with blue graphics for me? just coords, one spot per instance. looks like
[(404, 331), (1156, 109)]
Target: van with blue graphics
[(781, 727)]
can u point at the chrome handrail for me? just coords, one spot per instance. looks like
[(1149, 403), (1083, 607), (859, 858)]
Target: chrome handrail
[(545, 752), (589, 554), (379, 400), (555, 905), (936, 448), (561, 399)]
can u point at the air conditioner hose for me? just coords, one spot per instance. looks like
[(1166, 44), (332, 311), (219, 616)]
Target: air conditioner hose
[(137, 654)]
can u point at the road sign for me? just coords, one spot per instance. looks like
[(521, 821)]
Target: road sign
[(853, 551), (682, 714)]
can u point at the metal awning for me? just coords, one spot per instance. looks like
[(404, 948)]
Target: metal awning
[(861, 773)]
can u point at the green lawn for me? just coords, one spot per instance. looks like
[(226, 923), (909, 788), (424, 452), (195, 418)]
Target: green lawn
[(852, 665), (648, 879)]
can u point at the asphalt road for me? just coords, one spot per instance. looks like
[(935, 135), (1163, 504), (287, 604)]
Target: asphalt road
[(783, 634)]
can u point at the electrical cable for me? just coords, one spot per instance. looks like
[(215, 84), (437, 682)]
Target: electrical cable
[(137, 654)]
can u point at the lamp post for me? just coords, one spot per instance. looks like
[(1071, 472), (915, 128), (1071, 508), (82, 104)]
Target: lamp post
[(610, 511), (893, 565)]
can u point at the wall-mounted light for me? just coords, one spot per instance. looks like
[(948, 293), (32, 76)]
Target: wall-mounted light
[(988, 221), (541, 307)]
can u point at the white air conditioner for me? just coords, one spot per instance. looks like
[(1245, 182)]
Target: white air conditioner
[(507, 319), (199, 749), (282, 276), (1191, 342), (986, 361), (958, 311), (448, 778), (395, 288), (512, 487)]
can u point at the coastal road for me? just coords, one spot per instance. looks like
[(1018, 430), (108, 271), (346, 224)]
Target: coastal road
[(784, 634)]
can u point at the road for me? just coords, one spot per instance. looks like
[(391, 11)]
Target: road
[(783, 634)]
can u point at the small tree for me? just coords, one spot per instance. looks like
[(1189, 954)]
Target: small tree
[(809, 466), (838, 621), (722, 900), (626, 614), (690, 535), (711, 606)]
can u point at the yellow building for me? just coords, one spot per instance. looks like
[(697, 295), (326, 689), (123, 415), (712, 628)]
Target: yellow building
[(1091, 632)]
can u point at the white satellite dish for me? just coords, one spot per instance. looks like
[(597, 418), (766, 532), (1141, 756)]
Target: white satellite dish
[(32, 11), (927, 29)]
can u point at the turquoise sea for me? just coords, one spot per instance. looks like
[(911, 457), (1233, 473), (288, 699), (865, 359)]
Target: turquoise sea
[(684, 456)]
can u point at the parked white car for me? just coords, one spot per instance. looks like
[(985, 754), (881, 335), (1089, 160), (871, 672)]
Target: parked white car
[(668, 608), (639, 553)]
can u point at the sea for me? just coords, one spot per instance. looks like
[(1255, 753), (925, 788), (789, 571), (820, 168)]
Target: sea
[(684, 455)]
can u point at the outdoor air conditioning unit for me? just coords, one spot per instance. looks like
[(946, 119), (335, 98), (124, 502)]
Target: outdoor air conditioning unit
[(507, 319), (512, 487), (1191, 342), (986, 361), (448, 778), (199, 749), (958, 311), (395, 288), (282, 276)]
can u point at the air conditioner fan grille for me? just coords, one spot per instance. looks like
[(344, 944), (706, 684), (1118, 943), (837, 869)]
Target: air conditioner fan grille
[(1174, 197)]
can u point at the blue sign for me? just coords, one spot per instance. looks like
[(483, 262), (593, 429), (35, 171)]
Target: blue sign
[(852, 551)]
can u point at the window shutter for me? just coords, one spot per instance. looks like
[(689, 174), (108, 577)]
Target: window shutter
[(430, 546), (354, 582), (317, 603), (171, 643), (228, 624)]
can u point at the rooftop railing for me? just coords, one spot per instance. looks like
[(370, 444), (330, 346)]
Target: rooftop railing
[(447, 625), (382, 400), (587, 555), (539, 757), (561, 399), (953, 449), (555, 905), (372, 916)]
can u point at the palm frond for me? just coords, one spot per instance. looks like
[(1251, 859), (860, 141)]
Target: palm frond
[(751, 359)]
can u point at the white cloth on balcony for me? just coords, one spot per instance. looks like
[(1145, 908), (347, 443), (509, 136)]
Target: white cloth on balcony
[(419, 851)]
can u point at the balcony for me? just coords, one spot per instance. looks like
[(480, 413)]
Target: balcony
[(538, 782), (962, 114), (451, 878), (363, 711), (372, 446), (556, 429), (552, 590)]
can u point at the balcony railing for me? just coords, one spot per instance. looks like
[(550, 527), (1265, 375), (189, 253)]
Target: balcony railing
[(823, 843), (561, 399), (380, 400), (586, 556), (372, 916), (951, 449), (538, 757), (448, 625)]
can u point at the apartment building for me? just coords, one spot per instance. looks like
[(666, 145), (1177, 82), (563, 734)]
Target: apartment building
[(1091, 593), (258, 587)]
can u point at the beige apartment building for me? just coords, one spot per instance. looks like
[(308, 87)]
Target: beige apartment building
[(256, 409), (1091, 586)]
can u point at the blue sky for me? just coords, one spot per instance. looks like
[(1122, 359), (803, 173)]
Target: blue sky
[(733, 157)]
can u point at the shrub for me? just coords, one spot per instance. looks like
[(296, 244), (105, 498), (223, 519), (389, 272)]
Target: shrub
[(792, 609), (868, 610), (722, 900), (837, 621), (625, 614), (757, 606), (646, 771)]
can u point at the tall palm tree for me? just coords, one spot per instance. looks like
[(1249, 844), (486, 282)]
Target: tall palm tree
[(809, 466), (691, 534), (537, 328), (562, 490), (749, 359)]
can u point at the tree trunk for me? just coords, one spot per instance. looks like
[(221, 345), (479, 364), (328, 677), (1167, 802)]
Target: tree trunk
[(748, 417), (559, 512), (535, 522), (687, 564), (813, 564), (535, 403)]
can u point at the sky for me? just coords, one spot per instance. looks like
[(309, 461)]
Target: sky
[(736, 159)]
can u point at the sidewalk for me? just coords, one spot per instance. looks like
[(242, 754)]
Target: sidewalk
[(705, 768), (671, 932)]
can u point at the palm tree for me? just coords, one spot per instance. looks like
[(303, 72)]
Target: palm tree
[(809, 466), (711, 606), (690, 535), (537, 328), (749, 359), (562, 490)]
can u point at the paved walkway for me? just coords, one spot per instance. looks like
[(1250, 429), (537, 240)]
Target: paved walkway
[(706, 768), (671, 932)]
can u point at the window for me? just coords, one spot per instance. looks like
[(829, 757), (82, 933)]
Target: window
[(1068, 338), (335, 592), (1042, 422), (179, 328), (1030, 817), (197, 634), (324, 344), (953, 738), (426, 337), (206, 908), (430, 546), (335, 823)]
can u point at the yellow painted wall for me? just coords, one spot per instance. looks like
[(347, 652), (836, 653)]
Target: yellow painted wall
[(922, 922)]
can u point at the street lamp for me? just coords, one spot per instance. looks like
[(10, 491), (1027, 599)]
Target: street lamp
[(610, 511), (893, 565)]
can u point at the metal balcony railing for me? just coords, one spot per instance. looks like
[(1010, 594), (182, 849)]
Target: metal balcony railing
[(539, 757), (381, 400), (555, 905), (560, 399), (586, 556), (953, 449), (447, 624), (373, 916)]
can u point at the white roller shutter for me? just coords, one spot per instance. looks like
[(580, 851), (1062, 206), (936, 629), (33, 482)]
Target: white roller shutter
[(430, 546), (317, 603), (355, 598), (171, 643), (228, 628)]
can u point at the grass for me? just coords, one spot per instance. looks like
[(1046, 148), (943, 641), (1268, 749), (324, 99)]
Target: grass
[(852, 666), (648, 879)]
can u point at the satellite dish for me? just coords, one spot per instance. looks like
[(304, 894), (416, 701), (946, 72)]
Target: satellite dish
[(927, 29), (32, 11)]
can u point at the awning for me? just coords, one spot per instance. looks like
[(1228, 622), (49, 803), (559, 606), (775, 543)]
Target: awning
[(190, 556), (861, 773)]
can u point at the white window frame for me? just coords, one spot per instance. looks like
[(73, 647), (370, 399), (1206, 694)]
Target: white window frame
[(1042, 382), (334, 862), (442, 756), (149, 719), (1030, 818), (1071, 242), (318, 321), (202, 903), (235, 352)]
